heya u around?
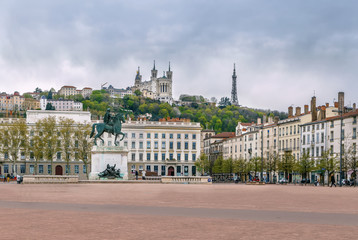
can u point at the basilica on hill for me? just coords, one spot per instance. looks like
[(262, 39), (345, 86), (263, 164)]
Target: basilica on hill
[(159, 88)]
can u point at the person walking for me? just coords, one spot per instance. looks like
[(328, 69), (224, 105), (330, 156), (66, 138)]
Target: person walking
[(136, 175), (333, 181)]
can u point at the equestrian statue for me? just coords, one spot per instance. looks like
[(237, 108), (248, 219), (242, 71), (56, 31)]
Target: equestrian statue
[(111, 124)]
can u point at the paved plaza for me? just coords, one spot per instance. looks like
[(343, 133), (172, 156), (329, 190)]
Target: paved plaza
[(181, 211)]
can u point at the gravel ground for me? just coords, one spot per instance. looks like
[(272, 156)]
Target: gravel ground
[(183, 211)]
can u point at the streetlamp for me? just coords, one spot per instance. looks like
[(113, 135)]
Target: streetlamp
[(262, 151), (341, 111)]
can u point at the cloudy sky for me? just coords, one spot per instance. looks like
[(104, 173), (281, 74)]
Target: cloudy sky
[(284, 50)]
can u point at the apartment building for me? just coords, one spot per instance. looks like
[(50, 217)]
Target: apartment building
[(61, 104), (11, 102), (25, 164), (71, 90)]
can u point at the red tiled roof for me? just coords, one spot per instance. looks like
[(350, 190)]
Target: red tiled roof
[(68, 87), (346, 115), (224, 135), (246, 124)]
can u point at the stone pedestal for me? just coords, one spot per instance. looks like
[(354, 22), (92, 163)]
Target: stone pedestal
[(101, 156)]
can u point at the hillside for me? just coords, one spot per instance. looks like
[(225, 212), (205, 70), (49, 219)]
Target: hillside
[(220, 119)]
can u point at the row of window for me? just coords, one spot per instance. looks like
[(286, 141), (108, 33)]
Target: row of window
[(289, 131), (58, 155), (314, 138), (163, 135), (163, 157), (163, 146), (180, 171), (41, 168), (308, 128)]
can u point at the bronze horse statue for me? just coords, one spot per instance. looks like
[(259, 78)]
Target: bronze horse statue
[(115, 129)]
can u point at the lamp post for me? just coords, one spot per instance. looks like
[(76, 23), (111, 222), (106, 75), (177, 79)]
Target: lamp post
[(262, 151), (341, 111), (340, 152)]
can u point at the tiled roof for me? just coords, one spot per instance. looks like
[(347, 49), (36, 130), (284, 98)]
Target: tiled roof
[(346, 115), (224, 135)]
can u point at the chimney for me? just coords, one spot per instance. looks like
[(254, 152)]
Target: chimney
[(354, 107), (290, 112), (264, 119), (323, 112), (276, 119), (341, 102), (258, 121), (270, 119), (306, 109), (298, 111), (327, 105), (313, 109), (336, 104)]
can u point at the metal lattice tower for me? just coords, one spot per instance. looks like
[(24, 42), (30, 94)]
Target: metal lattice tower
[(234, 100)]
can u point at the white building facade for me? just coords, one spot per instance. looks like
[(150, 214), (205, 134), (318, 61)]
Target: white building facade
[(167, 148), (61, 104)]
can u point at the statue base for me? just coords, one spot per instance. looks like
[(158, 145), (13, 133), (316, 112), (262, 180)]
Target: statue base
[(102, 155)]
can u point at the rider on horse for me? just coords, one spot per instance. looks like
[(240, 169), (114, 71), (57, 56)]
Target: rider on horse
[(107, 119), (111, 124)]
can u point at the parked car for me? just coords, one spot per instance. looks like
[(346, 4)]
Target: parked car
[(305, 181), (283, 180), (256, 179)]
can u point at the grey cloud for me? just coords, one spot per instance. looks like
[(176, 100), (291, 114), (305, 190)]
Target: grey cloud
[(283, 49)]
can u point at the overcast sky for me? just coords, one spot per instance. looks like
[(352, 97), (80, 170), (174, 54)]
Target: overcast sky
[(283, 50)]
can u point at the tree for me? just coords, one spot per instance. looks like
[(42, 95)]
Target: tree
[(217, 168), (224, 101), (49, 96), (326, 163), (271, 165), (255, 163), (286, 164), (248, 169), (213, 100), (228, 166), (240, 167), (305, 165), (37, 144), (351, 161), (49, 107), (138, 92), (65, 129), (51, 138), (83, 144), (203, 164), (38, 90), (27, 95), (14, 138)]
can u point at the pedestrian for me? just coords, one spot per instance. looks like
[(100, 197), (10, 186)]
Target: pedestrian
[(136, 175), (143, 174), (333, 181), (8, 177)]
